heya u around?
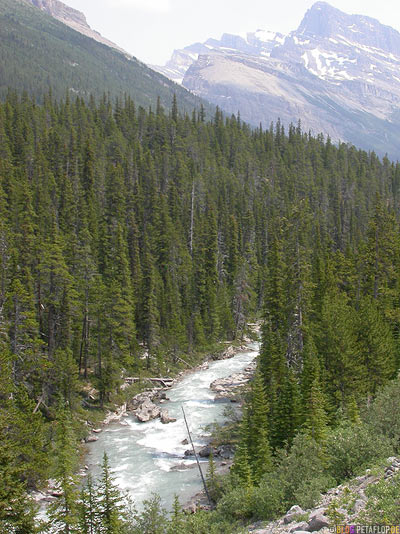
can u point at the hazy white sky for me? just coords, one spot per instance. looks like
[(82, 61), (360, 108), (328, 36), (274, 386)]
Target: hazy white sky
[(152, 29)]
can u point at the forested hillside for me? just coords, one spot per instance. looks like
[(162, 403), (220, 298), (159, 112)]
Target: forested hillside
[(129, 238), (38, 52)]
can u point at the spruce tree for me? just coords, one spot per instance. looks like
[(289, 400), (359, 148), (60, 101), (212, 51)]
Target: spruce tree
[(88, 509), (259, 451), (63, 513), (110, 510)]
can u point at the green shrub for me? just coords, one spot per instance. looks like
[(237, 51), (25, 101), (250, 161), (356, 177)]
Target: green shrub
[(269, 498), (309, 492), (210, 523), (303, 464), (383, 415), (350, 449), (237, 504)]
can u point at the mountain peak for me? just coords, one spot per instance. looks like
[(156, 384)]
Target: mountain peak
[(325, 21)]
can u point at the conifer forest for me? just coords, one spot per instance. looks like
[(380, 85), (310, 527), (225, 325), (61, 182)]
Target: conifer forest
[(133, 238)]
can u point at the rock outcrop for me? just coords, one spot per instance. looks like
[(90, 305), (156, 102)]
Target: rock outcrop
[(72, 18)]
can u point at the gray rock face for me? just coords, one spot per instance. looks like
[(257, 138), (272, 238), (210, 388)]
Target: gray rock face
[(257, 43), (60, 11), (146, 411), (324, 21), (336, 73), (72, 18)]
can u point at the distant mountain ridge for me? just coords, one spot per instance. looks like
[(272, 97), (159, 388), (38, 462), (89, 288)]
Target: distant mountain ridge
[(338, 73), (257, 43)]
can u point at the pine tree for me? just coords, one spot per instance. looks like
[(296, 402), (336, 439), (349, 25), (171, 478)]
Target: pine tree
[(17, 513), (287, 411), (153, 519), (338, 344), (63, 513), (315, 406), (88, 509), (241, 467), (260, 457), (316, 421), (177, 523), (109, 501), (376, 346)]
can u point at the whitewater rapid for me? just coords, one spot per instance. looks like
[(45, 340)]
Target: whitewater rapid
[(148, 458)]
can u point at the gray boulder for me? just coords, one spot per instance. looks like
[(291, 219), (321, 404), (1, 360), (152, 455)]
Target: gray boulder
[(147, 411), (292, 514), (317, 521), (91, 439), (300, 527), (165, 417), (206, 451), (225, 451)]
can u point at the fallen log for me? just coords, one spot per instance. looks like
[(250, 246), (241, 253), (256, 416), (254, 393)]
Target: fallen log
[(166, 382)]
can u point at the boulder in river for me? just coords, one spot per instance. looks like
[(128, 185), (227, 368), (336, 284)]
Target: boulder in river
[(228, 353), (146, 411), (182, 467), (91, 439), (165, 417), (206, 451), (225, 451)]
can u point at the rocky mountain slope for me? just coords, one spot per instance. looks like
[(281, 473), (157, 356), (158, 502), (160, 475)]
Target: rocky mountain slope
[(38, 52), (347, 504), (72, 18), (338, 73)]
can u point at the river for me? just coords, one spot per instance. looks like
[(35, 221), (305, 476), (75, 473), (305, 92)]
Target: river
[(148, 458)]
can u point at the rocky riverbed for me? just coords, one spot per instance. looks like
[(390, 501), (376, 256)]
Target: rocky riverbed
[(145, 405), (148, 406)]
